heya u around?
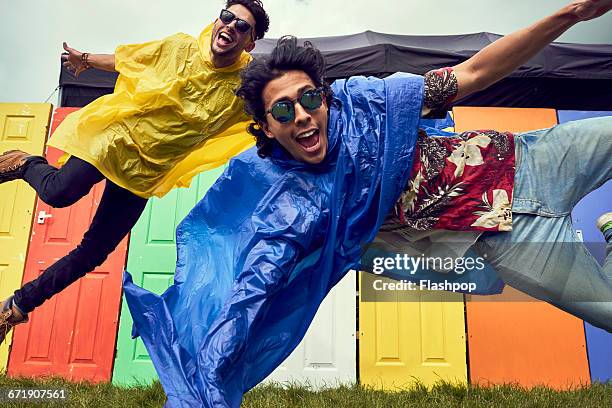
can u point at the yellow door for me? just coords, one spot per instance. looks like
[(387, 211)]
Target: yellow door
[(419, 337), (23, 127)]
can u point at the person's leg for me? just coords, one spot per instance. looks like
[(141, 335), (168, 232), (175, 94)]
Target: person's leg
[(56, 187), (64, 186), (544, 258), (557, 167), (118, 212)]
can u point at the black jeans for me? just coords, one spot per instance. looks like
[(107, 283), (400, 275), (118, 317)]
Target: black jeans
[(118, 212)]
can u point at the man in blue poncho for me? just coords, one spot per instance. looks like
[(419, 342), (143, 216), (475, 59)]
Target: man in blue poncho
[(259, 253)]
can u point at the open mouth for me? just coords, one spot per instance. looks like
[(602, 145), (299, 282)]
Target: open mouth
[(310, 140), (224, 39)]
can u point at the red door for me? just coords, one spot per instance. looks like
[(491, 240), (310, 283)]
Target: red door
[(73, 334)]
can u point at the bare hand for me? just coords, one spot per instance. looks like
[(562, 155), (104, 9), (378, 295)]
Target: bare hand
[(589, 9), (73, 61)]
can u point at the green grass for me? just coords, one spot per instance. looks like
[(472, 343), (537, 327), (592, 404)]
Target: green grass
[(272, 396)]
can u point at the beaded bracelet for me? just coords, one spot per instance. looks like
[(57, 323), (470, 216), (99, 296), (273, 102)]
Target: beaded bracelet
[(84, 60)]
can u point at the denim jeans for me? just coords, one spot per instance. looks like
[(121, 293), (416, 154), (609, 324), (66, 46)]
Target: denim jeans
[(543, 256), (117, 213)]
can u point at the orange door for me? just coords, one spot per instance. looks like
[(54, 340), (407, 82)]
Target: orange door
[(529, 342), (72, 334)]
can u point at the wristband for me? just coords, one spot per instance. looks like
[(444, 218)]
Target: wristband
[(84, 60)]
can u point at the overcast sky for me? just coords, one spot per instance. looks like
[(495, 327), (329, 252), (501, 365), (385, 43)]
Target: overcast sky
[(32, 31)]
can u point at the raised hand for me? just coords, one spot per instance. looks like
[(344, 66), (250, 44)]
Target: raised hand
[(73, 61), (589, 9)]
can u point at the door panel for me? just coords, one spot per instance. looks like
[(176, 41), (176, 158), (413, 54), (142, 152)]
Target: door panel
[(23, 127), (418, 338), (327, 354), (584, 216)]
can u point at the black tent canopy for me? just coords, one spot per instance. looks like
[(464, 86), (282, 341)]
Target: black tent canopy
[(562, 76)]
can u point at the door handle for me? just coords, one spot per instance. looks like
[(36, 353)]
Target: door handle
[(42, 216)]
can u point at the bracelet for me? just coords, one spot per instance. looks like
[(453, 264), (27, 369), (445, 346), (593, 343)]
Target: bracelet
[(84, 60)]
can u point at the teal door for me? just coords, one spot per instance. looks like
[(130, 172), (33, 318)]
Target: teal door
[(151, 261)]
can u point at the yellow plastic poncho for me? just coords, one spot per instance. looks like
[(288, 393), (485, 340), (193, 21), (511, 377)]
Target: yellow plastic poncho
[(172, 115)]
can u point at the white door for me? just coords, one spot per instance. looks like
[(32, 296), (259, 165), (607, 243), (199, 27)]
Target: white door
[(326, 356)]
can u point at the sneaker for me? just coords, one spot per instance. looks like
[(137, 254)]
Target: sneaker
[(604, 224), (9, 317), (12, 165)]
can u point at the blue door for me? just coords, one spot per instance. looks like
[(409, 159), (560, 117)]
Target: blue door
[(599, 342)]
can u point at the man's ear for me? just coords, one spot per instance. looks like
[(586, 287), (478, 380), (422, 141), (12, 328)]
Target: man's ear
[(249, 47), (264, 126)]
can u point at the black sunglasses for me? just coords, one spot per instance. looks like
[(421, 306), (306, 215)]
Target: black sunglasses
[(227, 17), (284, 111)]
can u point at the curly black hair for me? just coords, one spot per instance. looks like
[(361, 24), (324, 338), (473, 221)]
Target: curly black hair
[(262, 21), (286, 56)]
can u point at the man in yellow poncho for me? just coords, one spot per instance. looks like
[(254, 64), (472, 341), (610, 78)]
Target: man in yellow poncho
[(173, 114)]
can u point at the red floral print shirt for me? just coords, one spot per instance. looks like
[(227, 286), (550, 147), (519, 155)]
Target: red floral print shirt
[(462, 182)]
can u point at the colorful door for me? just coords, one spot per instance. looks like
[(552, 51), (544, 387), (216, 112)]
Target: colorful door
[(327, 354), (411, 338), (152, 261), (418, 338), (527, 342), (72, 334), (23, 127), (584, 216)]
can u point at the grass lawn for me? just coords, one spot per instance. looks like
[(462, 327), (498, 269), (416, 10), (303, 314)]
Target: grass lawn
[(270, 396)]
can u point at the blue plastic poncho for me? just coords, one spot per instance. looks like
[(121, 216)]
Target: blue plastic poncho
[(269, 240)]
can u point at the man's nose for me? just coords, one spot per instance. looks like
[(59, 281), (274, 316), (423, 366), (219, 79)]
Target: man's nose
[(301, 114), (232, 24)]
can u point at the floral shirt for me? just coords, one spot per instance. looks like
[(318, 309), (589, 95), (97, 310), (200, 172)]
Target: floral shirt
[(462, 182)]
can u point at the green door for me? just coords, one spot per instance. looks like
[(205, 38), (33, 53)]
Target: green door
[(152, 261)]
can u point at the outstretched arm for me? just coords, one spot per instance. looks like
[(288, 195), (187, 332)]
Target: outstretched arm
[(77, 62), (502, 57)]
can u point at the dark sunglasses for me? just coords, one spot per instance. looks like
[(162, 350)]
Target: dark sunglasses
[(227, 17), (284, 111)]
